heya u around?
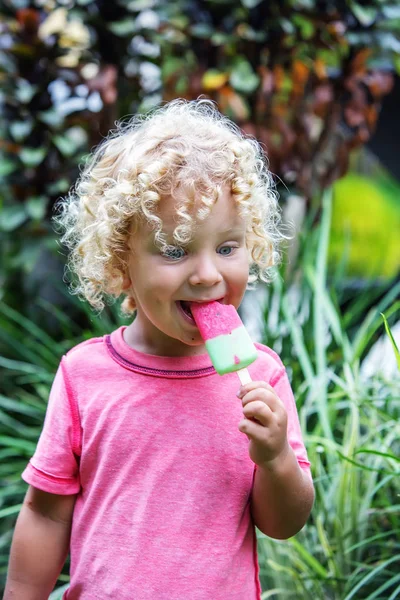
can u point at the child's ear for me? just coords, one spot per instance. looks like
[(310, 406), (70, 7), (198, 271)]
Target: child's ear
[(126, 283)]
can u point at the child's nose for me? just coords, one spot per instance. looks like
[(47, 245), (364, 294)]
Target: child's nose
[(205, 272)]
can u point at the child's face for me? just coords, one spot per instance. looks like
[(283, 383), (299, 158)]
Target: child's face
[(214, 266)]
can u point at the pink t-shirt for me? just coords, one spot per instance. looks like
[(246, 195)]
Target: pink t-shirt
[(162, 474)]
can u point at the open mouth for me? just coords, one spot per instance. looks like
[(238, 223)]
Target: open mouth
[(184, 308)]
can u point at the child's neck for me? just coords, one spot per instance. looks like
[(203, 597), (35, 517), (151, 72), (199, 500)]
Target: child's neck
[(139, 340)]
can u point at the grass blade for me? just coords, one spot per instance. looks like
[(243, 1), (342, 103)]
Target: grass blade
[(392, 340)]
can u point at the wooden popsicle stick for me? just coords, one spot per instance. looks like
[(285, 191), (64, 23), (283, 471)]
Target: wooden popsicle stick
[(244, 376)]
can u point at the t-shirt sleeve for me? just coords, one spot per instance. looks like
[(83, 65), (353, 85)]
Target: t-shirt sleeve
[(280, 382), (54, 467)]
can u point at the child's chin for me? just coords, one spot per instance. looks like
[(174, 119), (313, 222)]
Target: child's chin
[(193, 340)]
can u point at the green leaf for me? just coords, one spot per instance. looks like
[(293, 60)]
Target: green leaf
[(202, 30), (392, 340), (27, 257), (182, 85), (65, 145), (58, 187), (32, 157), (7, 167), (371, 575), (12, 217), (36, 207), (306, 26), (366, 15), (297, 338), (395, 594), (17, 406), (25, 91), (51, 117), (11, 442), (171, 65), (30, 328), (365, 467), (287, 26), (15, 427), (306, 4), (20, 129), (123, 28), (388, 41), (250, 3), (58, 593), (220, 38), (138, 5), (378, 453), (179, 21), (368, 541), (391, 12), (243, 78), (10, 510), (314, 564), (23, 367), (248, 33), (389, 583)]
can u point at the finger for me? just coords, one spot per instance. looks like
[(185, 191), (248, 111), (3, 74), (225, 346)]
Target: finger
[(258, 410), (252, 385), (253, 430), (265, 395)]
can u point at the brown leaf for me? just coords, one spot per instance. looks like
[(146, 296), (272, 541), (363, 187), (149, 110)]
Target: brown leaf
[(267, 80), (229, 99), (105, 83), (371, 116), (323, 97), (249, 128), (320, 69), (279, 77), (28, 19), (304, 178), (300, 72), (354, 115), (340, 165), (359, 62), (280, 108), (379, 83), (195, 87), (361, 137), (337, 29)]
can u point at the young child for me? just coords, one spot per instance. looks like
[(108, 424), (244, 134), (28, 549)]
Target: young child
[(151, 469)]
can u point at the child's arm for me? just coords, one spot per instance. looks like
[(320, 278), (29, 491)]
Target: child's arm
[(283, 493), (40, 545), (282, 497)]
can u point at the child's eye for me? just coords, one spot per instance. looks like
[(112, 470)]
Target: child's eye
[(173, 253), (225, 250)]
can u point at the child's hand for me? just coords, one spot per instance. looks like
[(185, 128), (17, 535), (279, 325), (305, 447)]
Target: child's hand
[(265, 422)]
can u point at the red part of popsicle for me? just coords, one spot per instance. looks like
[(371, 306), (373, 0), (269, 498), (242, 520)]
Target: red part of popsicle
[(214, 318)]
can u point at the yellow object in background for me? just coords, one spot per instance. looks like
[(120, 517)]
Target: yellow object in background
[(365, 229)]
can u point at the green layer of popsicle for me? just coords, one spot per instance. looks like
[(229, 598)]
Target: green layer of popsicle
[(232, 351)]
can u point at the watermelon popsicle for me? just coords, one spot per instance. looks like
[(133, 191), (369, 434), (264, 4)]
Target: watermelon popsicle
[(227, 341)]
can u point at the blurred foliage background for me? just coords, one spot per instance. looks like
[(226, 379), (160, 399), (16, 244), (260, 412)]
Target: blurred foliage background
[(308, 79)]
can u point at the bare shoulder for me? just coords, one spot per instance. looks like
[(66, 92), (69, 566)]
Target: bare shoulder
[(56, 507)]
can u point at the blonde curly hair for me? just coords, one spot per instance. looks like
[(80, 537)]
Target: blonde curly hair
[(185, 147)]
